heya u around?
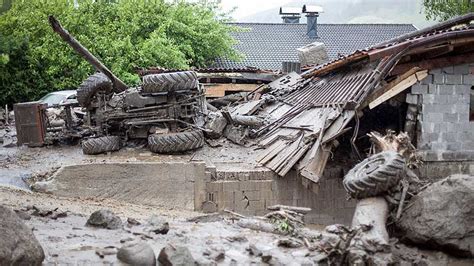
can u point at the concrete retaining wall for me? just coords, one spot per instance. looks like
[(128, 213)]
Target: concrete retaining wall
[(193, 186), (171, 185)]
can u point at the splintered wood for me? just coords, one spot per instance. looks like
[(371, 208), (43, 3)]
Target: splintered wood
[(400, 143), (303, 136)]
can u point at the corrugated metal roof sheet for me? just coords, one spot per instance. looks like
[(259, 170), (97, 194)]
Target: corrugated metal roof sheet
[(337, 89)]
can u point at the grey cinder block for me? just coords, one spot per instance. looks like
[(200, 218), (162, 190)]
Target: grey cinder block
[(462, 89), (419, 89), (445, 89), (448, 70), (461, 69), (427, 80), (449, 136), (438, 78), (433, 117), (453, 146), (411, 98), (453, 79), (468, 79), (447, 117)]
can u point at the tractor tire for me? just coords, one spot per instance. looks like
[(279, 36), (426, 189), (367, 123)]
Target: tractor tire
[(101, 145), (90, 86), (175, 142), (165, 82), (375, 175)]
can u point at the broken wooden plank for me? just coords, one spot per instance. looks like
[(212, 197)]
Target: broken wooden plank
[(377, 93), (294, 160), (271, 151), (401, 86), (219, 90), (338, 127), (278, 207), (282, 156), (314, 169), (248, 108)]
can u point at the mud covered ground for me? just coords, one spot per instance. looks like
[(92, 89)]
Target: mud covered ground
[(215, 239), (69, 240)]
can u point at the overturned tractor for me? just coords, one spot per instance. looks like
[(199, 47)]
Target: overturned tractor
[(167, 109)]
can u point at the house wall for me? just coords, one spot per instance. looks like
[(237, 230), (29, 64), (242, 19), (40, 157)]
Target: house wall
[(250, 192), (444, 132)]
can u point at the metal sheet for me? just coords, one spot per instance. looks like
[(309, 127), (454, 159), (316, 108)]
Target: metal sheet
[(30, 123)]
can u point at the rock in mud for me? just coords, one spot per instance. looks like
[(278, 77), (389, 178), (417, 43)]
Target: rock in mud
[(442, 216), (236, 134), (43, 187), (23, 215), (158, 225), (253, 250), (215, 125), (104, 218), (175, 255), (137, 254), (18, 245), (289, 243)]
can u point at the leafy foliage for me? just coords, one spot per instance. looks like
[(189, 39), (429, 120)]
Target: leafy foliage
[(443, 10), (123, 34)]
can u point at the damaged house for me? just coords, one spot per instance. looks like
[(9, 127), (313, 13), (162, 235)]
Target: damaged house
[(317, 122)]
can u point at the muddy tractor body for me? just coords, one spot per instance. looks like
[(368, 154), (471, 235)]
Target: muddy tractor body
[(166, 109)]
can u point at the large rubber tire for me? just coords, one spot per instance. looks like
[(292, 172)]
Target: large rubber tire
[(175, 142), (90, 86), (375, 175), (101, 145), (184, 80)]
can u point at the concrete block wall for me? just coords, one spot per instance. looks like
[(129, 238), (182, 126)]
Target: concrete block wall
[(444, 130), (251, 192)]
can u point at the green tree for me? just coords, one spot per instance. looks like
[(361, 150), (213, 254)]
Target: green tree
[(445, 9), (124, 34)]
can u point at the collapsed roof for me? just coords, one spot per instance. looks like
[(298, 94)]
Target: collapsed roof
[(312, 110)]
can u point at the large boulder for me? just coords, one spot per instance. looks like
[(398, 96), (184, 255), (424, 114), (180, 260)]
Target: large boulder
[(137, 254), (18, 245), (104, 218), (175, 255), (442, 216)]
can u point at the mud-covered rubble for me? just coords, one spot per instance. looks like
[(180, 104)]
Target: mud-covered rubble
[(204, 239)]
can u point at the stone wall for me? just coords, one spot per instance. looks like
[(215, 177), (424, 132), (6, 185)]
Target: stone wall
[(443, 99), (251, 192)]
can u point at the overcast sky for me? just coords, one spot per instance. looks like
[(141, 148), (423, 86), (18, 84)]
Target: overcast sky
[(248, 7)]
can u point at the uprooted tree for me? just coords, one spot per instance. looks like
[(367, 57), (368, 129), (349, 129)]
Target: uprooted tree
[(123, 34)]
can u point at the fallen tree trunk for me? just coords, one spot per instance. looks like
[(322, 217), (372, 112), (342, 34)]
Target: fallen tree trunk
[(247, 120), (278, 207)]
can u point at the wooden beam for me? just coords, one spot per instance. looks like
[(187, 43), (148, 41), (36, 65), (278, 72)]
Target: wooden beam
[(435, 63), (218, 90), (377, 93), (399, 87)]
